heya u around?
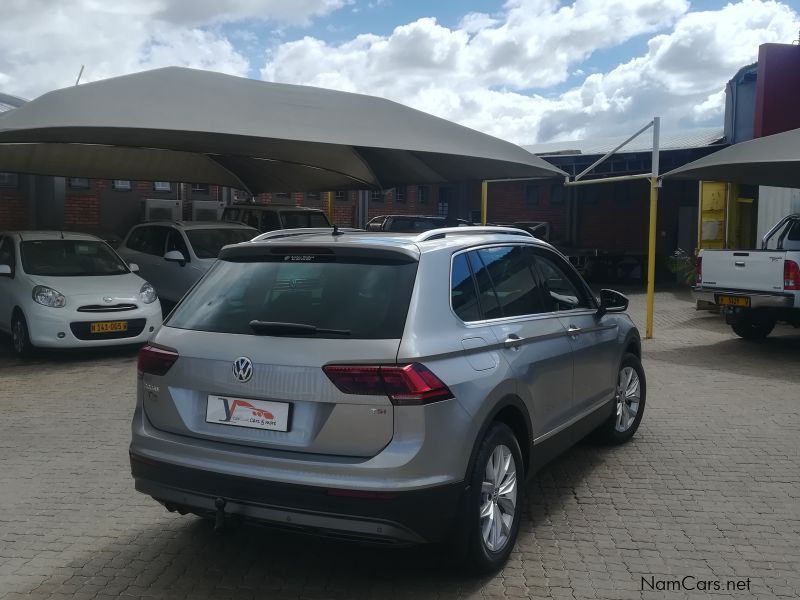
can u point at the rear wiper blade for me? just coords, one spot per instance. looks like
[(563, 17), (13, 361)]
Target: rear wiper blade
[(277, 328)]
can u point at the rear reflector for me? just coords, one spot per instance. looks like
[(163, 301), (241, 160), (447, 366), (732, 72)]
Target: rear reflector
[(791, 275), (410, 384), (155, 361)]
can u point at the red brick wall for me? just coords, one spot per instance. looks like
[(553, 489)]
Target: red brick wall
[(13, 210), (81, 212), (506, 204)]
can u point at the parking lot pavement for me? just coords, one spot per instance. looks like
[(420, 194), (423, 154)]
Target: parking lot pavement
[(709, 489)]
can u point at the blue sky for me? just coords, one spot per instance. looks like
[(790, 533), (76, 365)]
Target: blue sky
[(527, 70)]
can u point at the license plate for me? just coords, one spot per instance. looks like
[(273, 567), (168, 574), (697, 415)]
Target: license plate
[(742, 301), (108, 327), (241, 412)]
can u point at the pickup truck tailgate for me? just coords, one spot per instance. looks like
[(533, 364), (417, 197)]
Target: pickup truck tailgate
[(754, 270)]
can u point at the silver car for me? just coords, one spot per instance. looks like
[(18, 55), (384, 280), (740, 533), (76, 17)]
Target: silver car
[(383, 387), (174, 255)]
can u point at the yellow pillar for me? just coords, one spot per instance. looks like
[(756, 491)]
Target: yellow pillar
[(651, 257), (484, 201), (330, 207)]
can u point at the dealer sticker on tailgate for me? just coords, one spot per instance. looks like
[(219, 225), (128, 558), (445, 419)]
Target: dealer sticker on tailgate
[(257, 414)]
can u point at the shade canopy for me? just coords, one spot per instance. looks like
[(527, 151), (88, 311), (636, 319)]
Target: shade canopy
[(177, 124), (773, 160)]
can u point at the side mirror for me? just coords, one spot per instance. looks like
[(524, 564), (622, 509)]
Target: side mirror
[(133, 267), (612, 301), (5, 271), (175, 256)]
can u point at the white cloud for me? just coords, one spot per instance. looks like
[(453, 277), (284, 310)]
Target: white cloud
[(482, 72), (43, 43)]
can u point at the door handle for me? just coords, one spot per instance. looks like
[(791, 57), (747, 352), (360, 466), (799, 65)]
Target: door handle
[(512, 341), (573, 331)]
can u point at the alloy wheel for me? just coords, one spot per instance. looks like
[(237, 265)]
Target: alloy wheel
[(629, 395), (498, 498)]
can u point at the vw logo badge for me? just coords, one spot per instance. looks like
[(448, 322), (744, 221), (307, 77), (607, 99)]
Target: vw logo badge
[(243, 369)]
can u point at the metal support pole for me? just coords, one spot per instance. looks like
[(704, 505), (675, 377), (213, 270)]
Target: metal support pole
[(330, 207), (484, 201), (651, 250)]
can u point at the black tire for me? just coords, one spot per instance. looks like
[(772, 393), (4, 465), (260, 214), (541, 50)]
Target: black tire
[(612, 432), (754, 326), (20, 339), (480, 558)]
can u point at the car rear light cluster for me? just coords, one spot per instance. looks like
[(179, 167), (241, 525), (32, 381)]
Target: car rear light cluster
[(791, 275), (155, 361), (698, 270), (410, 384)]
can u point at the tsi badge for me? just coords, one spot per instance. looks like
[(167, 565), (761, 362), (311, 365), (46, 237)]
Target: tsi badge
[(243, 369)]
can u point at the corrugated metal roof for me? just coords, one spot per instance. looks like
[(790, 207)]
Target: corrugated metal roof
[(673, 140)]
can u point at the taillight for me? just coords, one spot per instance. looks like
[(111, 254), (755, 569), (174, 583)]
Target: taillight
[(410, 384), (155, 361), (791, 275), (698, 270)]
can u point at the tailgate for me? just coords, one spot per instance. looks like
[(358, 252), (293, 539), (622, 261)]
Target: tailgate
[(746, 270)]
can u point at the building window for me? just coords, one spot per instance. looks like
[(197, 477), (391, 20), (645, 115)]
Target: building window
[(377, 196), (79, 183), (9, 180), (281, 196), (400, 193), (162, 186), (200, 188), (423, 193), (121, 184), (341, 196), (531, 195), (557, 193), (312, 196)]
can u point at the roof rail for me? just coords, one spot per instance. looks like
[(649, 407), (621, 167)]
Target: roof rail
[(282, 233), (435, 234)]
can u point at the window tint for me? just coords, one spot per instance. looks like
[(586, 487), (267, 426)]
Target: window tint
[(7, 252), (563, 292), (65, 258), (294, 220), (463, 294), (175, 241), (270, 221), (150, 240), (511, 270), (486, 296), (207, 243), (368, 297)]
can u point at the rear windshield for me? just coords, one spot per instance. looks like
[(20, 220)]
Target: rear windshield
[(70, 258), (300, 219), (367, 297), (208, 242)]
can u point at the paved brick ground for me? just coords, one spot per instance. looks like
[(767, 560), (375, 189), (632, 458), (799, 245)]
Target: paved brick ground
[(710, 487)]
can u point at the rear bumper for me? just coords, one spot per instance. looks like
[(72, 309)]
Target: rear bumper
[(407, 517), (757, 299)]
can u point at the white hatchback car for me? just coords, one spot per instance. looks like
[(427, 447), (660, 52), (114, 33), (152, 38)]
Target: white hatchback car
[(71, 290), (174, 255)]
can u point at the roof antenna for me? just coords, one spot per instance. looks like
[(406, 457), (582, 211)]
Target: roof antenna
[(336, 230), (78, 80)]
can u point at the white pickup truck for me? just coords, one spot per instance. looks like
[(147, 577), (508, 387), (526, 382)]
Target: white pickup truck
[(755, 288)]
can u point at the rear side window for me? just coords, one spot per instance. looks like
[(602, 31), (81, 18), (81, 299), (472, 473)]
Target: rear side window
[(296, 220), (515, 284), (463, 293), (496, 282), (149, 240), (369, 297)]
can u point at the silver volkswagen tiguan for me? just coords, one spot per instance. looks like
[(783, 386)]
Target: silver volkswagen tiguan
[(381, 387)]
